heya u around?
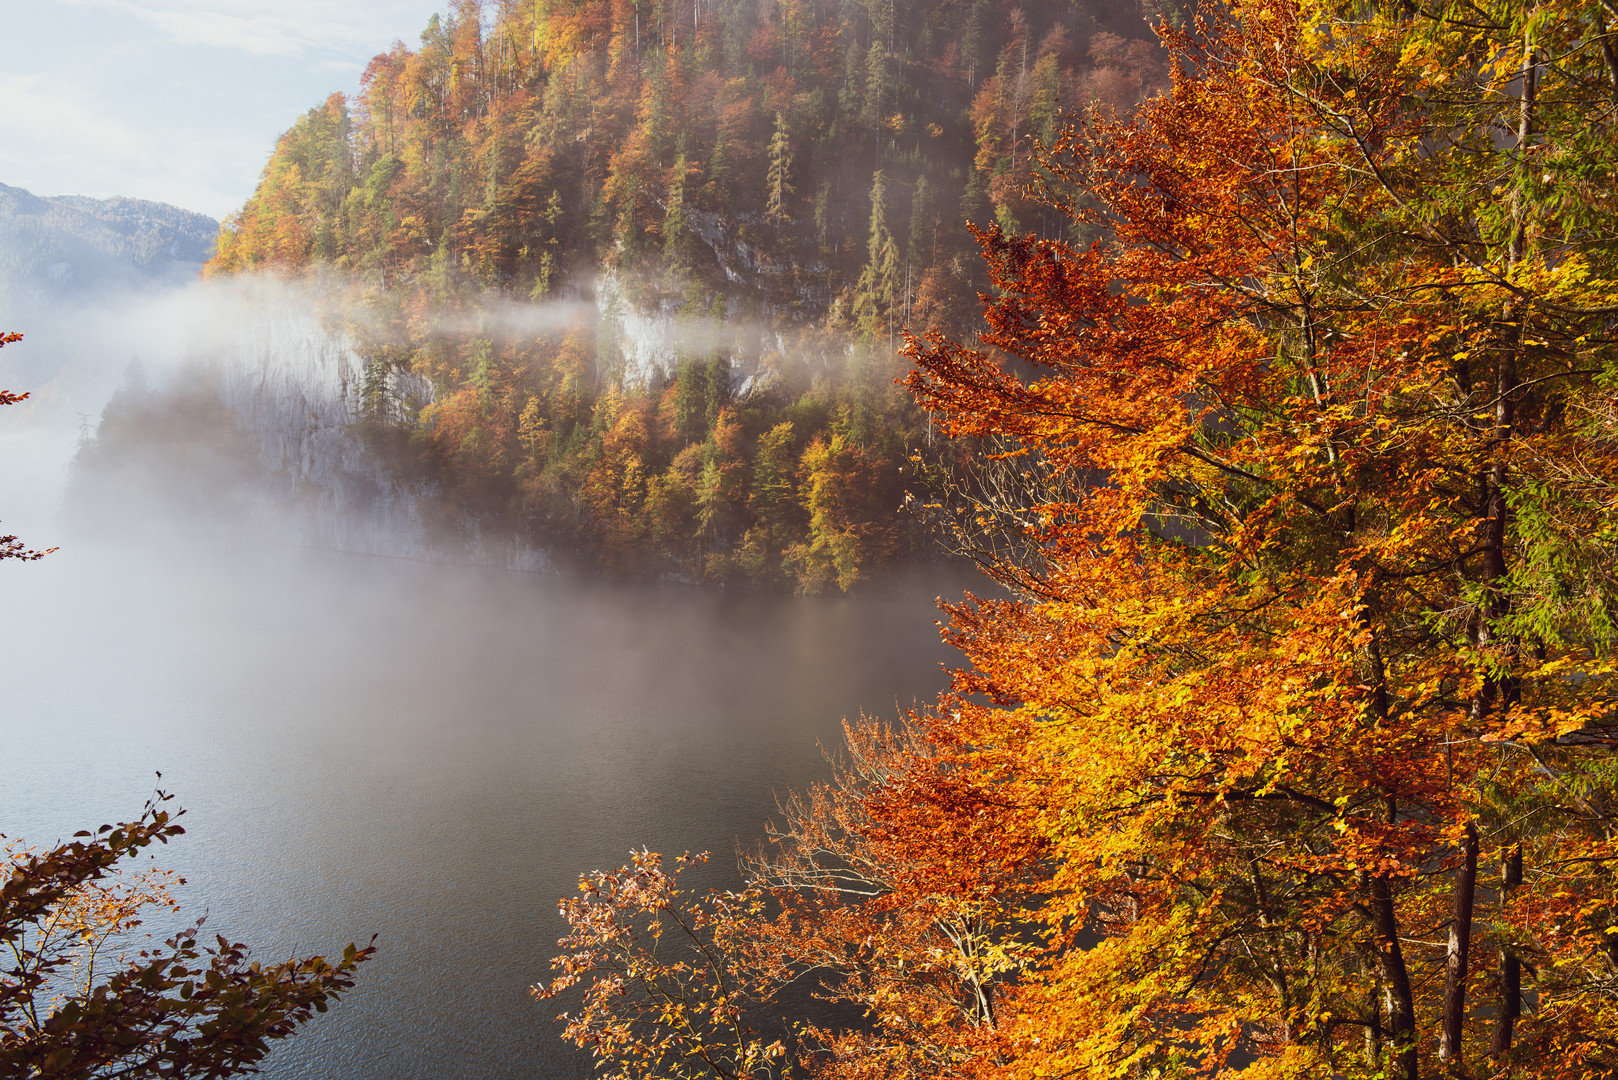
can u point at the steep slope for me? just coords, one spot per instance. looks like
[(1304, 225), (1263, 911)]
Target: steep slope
[(656, 258), (736, 148)]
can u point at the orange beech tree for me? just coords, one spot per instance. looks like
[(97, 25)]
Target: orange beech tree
[(1326, 637), (902, 887), (670, 980)]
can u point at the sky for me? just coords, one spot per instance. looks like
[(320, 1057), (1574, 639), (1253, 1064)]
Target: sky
[(178, 101)]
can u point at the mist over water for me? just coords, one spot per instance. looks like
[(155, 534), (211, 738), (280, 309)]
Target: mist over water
[(425, 751), (428, 752), (254, 403)]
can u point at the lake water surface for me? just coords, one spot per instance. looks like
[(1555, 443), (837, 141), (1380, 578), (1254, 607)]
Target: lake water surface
[(429, 753)]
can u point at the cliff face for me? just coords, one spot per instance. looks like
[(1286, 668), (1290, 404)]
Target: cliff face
[(250, 430), (294, 389)]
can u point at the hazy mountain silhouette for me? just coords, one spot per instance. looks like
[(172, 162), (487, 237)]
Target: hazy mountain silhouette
[(71, 247)]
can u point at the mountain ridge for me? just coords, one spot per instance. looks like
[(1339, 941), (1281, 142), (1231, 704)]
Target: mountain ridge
[(72, 246)]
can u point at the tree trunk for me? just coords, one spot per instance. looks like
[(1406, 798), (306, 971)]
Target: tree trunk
[(1525, 131), (1460, 943), (1510, 967), (1373, 1030), (1496, 604), (1261, 900), (1395, 978)]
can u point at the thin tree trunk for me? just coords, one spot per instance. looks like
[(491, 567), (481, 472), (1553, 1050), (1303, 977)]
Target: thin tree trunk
[(1525, 131), (1400, 1004), (1276, 948), (1373, 1030), (1610, 54), (1395, 976), (1496, 604), (1460, 943), (1510, 967)]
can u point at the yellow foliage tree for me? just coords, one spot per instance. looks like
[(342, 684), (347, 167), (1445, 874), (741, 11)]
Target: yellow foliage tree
[(1329, 630)]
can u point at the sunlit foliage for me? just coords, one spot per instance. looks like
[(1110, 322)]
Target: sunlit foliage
[(1299, 714), (83, 995)]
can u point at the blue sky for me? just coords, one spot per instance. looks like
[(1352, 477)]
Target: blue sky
[(175, 100)]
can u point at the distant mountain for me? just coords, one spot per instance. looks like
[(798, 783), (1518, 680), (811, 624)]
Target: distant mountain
[(71, 267), (71, 247)]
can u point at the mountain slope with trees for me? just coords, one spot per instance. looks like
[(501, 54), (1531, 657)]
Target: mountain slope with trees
[(727, 214)]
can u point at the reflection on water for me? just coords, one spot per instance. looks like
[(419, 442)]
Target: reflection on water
[(429, 753)]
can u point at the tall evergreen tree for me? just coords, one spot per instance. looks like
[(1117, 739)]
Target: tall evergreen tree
[(777, 185), (877, 288)]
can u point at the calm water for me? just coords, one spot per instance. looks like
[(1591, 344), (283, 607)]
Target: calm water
[(429, 753)]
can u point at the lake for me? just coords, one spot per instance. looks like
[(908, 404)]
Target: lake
[(427, 752)]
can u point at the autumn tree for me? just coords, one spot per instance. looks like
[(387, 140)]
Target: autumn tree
[(848, 527), (667, 976), (1324, 636), (1302, 489), (904, 886), (900, 889)]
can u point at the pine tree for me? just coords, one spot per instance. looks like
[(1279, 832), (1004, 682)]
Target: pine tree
[(777, 189), (675, 227), (877, 287)]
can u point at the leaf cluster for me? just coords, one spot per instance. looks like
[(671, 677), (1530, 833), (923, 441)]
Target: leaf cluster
[(179, 1008)]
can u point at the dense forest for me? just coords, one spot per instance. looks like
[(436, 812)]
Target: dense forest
[(657, 258)]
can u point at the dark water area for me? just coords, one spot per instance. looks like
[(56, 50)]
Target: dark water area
[(429, 753)]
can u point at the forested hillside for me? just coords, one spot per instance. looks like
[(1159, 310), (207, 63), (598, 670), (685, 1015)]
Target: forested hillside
[(65, 256), (725, 213)]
